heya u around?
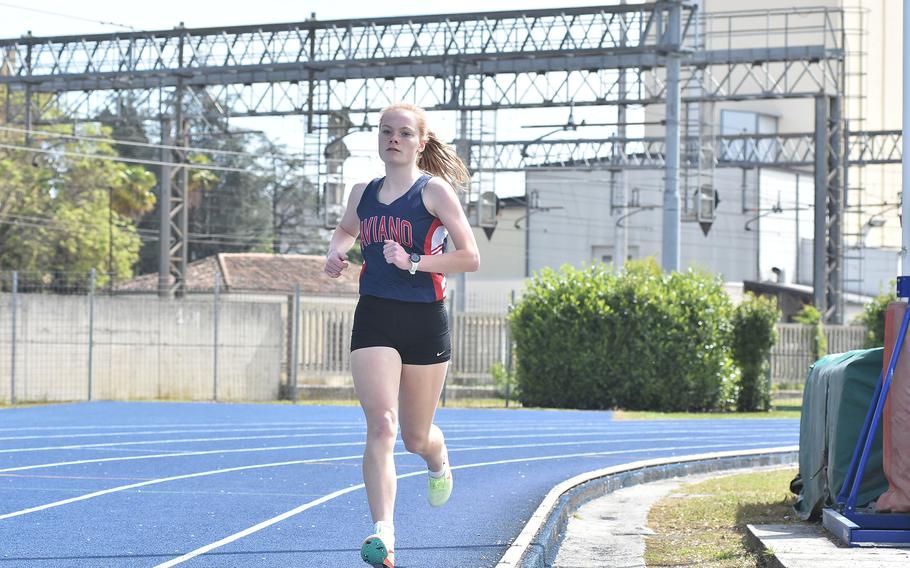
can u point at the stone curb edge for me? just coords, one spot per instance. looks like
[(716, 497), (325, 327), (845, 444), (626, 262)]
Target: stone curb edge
[(767, 555), (537, 544)]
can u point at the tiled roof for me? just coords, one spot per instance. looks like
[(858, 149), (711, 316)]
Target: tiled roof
[(258, 272)]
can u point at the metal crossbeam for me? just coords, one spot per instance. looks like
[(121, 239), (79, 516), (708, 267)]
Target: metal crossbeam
[(485, 85), (740, 150), (874, 147), (302, 47), (488, 61)]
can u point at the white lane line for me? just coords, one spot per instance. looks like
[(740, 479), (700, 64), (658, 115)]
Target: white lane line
[(341, 458), (354, 430), (287, 514), (537, 431), (356, 427), (182, 425), (160, 432), (307, 446), (173, 441), (177, 454), (162, 480)]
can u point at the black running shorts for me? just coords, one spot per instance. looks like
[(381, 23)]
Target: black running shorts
[(419, 331)]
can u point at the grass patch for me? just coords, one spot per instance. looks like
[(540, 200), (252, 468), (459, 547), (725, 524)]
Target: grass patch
[(648, 415), (783, 408), (704, 524), (450, 403)]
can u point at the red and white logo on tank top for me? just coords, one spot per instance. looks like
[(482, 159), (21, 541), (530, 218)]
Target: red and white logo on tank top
[(434, 244)]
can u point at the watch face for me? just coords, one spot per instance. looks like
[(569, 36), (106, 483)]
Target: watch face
[(415, 257)]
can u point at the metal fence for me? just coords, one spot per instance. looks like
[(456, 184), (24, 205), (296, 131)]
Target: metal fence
[(794, 352), (479, 341), (63, 339)]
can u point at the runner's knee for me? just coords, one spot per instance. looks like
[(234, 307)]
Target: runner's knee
[(383, 426)]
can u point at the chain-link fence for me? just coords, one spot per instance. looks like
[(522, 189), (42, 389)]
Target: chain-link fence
[(63, 339)]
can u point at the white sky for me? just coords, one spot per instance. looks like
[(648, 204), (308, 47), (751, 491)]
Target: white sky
[(66, 17)]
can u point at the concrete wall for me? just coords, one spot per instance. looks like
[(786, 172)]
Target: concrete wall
[(143, 348)]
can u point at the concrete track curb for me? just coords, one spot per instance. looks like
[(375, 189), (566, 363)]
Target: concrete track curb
[(537, 544)]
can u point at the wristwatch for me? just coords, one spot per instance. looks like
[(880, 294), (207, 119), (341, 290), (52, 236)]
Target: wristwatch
[(415, 260)]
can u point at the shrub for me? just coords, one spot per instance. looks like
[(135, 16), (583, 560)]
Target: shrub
[(639, 340), (754, 334), (873, 317), (809, 315), (506, 384)]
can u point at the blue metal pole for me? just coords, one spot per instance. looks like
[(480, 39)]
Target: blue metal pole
[(886, 386)]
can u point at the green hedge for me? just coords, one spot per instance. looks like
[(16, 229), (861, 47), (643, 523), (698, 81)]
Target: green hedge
[(754, 334), (641, 340)]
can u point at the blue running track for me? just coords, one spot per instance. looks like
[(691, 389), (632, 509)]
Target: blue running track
[(112, 484)]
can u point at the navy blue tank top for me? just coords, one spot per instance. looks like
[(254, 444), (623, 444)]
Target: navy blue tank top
[(406, 221)]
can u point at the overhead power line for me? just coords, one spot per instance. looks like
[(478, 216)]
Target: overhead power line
[(147, 235), (121, 142), (195, 149), (127, 160), (62, 15)]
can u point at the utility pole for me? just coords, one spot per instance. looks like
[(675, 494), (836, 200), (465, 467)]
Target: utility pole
[(671, 224)]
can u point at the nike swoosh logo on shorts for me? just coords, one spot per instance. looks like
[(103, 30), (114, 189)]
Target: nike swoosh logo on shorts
[(441, 353)]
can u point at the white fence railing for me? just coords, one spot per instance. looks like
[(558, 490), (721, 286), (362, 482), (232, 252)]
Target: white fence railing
[(794, 352), (481, 339)]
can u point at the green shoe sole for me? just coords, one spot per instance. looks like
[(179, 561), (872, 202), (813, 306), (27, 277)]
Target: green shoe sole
[(375, 553)]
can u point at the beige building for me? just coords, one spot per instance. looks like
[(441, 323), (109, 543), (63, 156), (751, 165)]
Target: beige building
[(764, 227)]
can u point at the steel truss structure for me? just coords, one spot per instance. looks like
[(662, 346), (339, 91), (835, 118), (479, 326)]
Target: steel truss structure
[(795, 150), (641, 54)]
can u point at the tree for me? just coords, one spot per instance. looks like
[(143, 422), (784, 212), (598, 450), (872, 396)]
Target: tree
[(809, 315), (264, 203), (295, 223), (753, 338), (66, 207)]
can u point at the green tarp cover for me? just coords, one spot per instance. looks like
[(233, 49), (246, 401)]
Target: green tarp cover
[(836, 398)]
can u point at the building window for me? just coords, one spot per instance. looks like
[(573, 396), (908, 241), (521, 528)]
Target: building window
[(734, 122)]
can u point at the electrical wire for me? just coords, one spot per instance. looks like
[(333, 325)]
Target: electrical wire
[(146, 235), (300, 155), (187, 165), (62, 15), (121, 142), (51, 222)]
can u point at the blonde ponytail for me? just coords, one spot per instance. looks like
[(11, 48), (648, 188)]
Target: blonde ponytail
[(441, 160)]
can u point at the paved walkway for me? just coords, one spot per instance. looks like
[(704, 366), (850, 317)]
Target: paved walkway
[(610, 532)]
